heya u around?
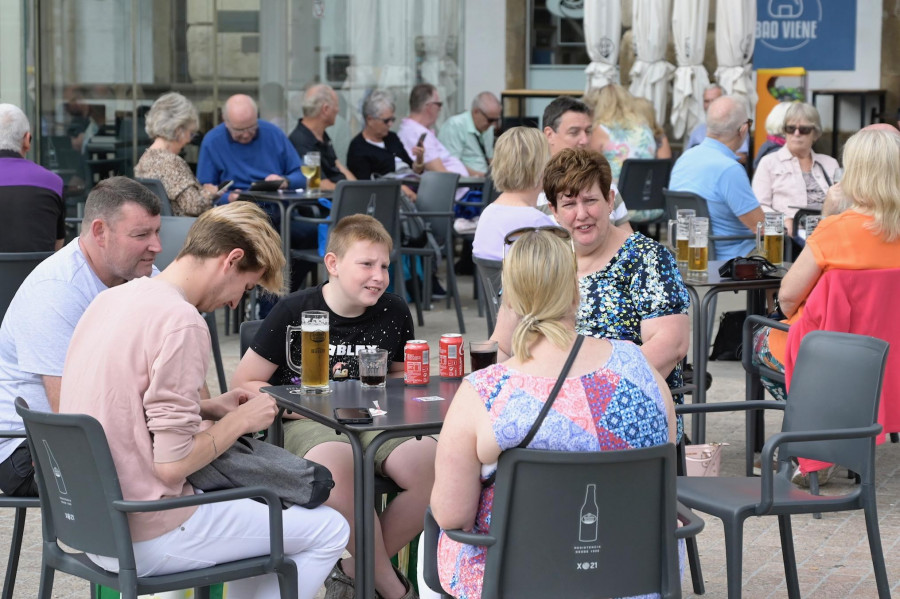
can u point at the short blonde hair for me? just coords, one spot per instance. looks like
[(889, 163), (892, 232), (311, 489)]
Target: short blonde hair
[(354, 228), (241, 225), (520, 155), (171, 115), (540, 284), (872, 178)]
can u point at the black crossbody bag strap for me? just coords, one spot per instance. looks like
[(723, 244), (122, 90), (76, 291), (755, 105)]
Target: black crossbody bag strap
[(547, 404)]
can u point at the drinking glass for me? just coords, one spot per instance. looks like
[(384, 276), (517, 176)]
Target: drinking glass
[(482, 354), (311, 169), (811, 222), (372, 368), (772, 245), (682, 226), (698, 247), (314, 358)]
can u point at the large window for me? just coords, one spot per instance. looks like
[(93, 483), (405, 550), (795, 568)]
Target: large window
[(102, 64), (557, 33)]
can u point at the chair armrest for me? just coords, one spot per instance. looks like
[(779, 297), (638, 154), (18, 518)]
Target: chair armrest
[(747, 343), (767, 487), (692, 524), (731, 237), (311, 219), (729, 406), (428, 214), (12, 434), (276, 529), (470, 538)]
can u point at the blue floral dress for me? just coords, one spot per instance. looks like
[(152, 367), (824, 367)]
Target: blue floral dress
[(640, 282), (618, 406)]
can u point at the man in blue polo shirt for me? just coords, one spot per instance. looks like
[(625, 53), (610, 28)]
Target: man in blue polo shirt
[(711, 170)]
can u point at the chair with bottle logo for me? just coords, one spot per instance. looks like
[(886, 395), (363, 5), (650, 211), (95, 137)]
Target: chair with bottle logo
[(641, 183), (598, 540)]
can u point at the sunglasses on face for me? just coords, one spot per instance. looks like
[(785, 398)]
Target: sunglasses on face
[(801, 129), (515, 234), (490, 120), (388, 121)]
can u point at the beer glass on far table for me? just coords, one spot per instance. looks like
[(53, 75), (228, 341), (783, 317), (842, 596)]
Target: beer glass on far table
[(314, 357), (312, 170), (698, 248), (682, 228), (770, 238)]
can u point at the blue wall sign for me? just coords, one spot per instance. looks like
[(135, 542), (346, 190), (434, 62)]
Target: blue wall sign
[(819, 35)]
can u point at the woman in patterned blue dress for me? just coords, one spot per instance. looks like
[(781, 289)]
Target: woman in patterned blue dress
[(609, 383), (630, 285)]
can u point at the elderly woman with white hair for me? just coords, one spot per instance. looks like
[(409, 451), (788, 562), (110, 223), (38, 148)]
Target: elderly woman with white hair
[(172, 122), (774, 132), (795, 175)]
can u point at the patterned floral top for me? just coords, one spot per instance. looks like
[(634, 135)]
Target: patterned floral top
[(185, 193), (618, 406), (627, 142), (640, 282)]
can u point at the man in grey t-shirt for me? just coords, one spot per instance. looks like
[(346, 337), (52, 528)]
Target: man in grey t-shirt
[(119, 242)]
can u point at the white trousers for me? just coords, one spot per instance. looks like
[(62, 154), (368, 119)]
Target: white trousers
[(228, 531)]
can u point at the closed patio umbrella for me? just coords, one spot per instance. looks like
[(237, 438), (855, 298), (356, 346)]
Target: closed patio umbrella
[(735, 35), (689, 24), (602, 34), (651, 73)]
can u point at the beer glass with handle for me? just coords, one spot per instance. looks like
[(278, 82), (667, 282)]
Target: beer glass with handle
[(770, 238), (679, 241), (698, 248), (314, 358)]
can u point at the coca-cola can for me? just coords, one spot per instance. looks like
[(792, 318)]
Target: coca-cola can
[(452, 359), (416, 363)]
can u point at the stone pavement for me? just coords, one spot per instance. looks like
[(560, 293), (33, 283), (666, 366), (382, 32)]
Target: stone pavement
[(832, 553)]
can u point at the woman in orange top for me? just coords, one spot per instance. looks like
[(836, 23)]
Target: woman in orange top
[(864, 237)]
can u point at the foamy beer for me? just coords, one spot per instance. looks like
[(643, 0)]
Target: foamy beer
[(314, 357), (773, 240), (698, 247), (311, 169), (682, 232)]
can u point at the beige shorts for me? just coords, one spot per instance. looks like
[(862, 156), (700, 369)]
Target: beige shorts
[(300, 436)]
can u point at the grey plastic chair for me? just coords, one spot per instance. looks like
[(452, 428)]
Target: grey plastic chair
[(156, 186), (83, 508), (676, 200), (14, 268), (830, 415), (630, 548), (380, 199), (172, 233), (20, 504), (487, 279), (434, 204)]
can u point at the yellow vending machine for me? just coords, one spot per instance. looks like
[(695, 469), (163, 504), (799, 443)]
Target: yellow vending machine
[(774, 86)]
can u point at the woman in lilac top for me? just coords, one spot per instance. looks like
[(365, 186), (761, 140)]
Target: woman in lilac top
[(520, 155)]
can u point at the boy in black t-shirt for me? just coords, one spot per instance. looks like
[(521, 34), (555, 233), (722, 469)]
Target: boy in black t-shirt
[(360, 315)]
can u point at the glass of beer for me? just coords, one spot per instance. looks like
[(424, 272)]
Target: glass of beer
[(698, 247), (773, 239), (314, 356), (312, 170), (372, 368), (679, 241), (482, 354)]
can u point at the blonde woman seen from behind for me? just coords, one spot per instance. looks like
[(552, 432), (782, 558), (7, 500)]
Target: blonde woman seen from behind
[(540, 287)]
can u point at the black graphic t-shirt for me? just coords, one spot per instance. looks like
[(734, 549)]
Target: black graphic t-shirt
[(386, 325)]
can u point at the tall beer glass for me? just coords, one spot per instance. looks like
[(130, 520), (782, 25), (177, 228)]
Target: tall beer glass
[(679, 241), (311, 169), (770, 238), (698, 247), (313, 351)]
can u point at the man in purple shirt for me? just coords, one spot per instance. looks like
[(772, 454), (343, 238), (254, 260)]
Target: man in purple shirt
[(32, 211)]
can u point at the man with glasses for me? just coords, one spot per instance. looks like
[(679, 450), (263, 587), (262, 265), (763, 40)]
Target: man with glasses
[(418, 130), (711, 170), (470, 135), (710, 94), (320, 110)]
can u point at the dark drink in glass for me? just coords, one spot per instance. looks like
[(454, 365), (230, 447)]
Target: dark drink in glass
[(482, 359), (372, 380)]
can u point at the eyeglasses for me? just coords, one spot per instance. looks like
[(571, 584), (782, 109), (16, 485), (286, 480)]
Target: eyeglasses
[(516, 234), (388, 121), (438, 104), (749, 123), (490, 120), (801, 129), (235, 131)]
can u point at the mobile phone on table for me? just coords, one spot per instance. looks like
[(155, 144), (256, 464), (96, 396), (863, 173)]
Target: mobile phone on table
[(225, 185), (421, 141), (352, 416)]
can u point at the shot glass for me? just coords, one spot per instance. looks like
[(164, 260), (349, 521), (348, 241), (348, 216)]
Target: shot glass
[(372, 368)]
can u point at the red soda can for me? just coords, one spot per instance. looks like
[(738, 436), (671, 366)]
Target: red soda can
[(416, 363), (451, 356)]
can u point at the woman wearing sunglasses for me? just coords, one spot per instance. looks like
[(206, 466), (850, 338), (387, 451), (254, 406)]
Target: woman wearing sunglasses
[(630, 285), (606, 385), (795, 175)]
